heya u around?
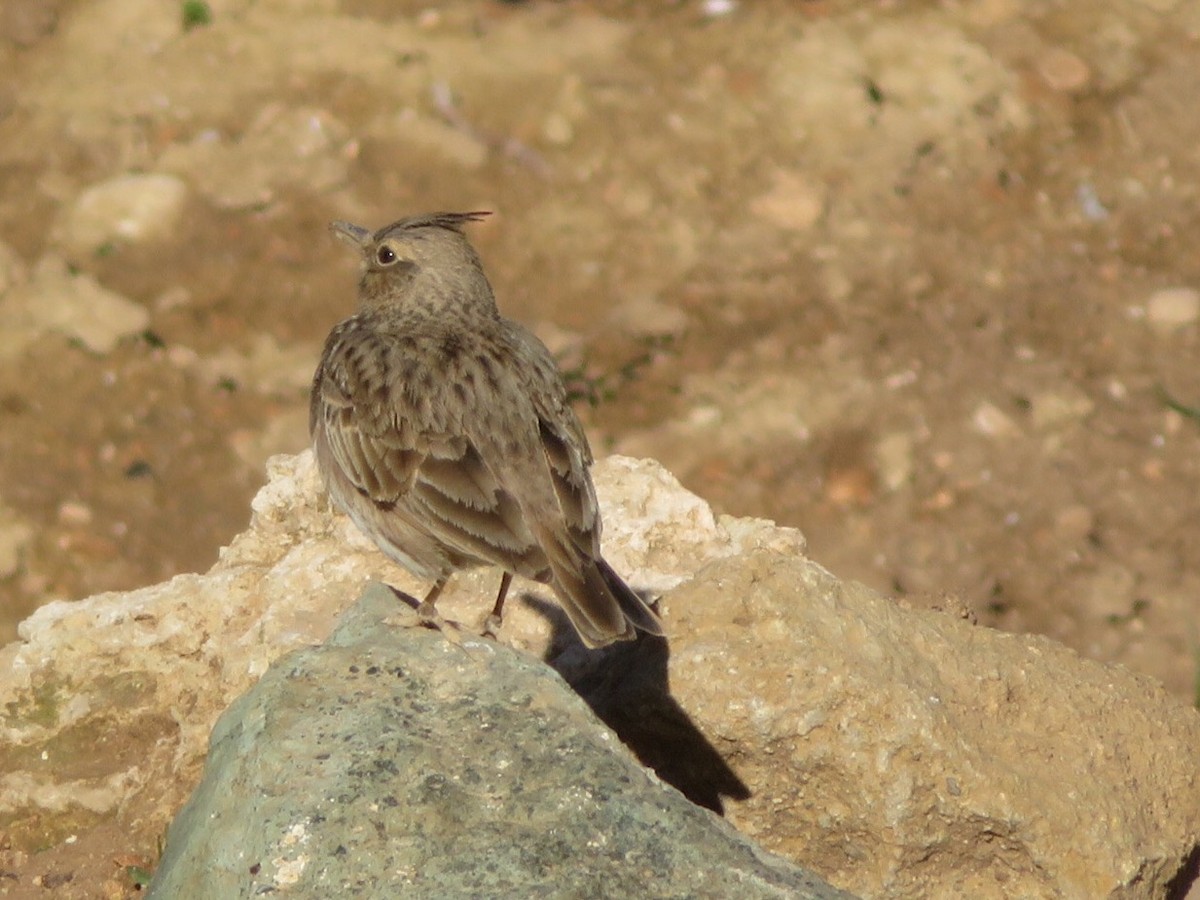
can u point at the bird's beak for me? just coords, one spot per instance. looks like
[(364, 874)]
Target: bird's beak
[(355, 235)]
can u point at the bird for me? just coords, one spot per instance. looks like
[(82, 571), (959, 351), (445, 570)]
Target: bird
[(445, 432)]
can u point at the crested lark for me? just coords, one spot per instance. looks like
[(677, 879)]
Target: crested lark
[(443, 430)]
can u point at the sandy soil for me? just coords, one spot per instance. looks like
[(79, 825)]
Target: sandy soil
[(920, 281)]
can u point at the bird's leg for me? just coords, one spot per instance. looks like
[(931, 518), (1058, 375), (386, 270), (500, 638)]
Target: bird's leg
[(427, 613), (491, 625)]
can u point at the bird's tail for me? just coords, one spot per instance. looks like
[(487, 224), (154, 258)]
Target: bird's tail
[(600, 605), (636, 610)]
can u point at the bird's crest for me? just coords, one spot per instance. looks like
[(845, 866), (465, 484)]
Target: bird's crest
[(454, 221)]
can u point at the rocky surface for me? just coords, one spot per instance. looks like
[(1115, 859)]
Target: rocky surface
[(981, 764), (894, 751), (391, 761)]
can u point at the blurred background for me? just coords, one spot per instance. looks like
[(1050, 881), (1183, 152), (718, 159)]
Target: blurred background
[(917, 278)]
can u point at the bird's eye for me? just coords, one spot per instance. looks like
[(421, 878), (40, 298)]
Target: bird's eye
[(385, 255)]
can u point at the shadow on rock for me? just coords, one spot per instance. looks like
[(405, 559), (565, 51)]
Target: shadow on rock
[(626, 685), (1187, 878)]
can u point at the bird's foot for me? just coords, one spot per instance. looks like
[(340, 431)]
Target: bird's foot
[(491, 627), (428, 617)]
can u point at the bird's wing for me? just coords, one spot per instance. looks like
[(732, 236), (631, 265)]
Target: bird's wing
[(369, 439), (548, 474), (562, 446), (601, 605), (401, 437)]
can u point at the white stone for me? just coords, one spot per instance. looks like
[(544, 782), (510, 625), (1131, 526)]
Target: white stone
[(894, 459), (990, 420), (74, 305), (133, 208), (1173, 308), (293, 147)]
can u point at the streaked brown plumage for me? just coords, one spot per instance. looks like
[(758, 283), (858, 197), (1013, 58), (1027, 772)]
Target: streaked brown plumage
[(443, 430)]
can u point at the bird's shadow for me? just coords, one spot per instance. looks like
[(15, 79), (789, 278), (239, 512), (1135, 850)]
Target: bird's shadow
[(626, 685)]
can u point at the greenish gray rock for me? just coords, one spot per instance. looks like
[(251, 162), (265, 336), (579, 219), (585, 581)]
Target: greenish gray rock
[(398, 761)]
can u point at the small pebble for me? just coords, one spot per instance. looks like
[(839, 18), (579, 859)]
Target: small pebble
[(1089, 202), (990, 420), (649, 316), (794, 202), (557, 129), (1063, 71), (1173, 308), (73, 512), (1053, 409), (894, 459)]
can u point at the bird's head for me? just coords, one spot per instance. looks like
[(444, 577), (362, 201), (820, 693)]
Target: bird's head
[(423, 262)]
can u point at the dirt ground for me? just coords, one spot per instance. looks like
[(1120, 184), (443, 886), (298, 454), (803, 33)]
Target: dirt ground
[(919, 279)]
